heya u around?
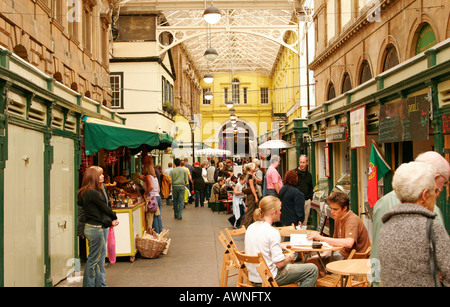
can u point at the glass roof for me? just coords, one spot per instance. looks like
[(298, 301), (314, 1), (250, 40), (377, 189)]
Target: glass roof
[(247, 38)]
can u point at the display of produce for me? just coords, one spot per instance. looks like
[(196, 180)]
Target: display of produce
[(126, 193)]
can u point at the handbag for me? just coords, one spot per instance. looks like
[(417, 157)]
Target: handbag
[(152, 204), (111, 245)]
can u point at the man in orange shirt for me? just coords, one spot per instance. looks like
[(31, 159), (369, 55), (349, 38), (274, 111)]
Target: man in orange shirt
[(349, 230)]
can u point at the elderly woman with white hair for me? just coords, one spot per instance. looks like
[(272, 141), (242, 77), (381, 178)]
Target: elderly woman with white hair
[(404, 243)]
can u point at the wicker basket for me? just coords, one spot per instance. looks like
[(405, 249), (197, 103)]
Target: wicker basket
[(150, 247)]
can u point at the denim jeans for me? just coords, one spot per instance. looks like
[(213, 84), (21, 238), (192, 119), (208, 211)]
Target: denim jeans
[(157, 222), (304, 274), (199, 197), (94, 270), (178, 201)]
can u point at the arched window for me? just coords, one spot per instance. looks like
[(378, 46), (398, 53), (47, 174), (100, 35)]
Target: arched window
[(346, 83), (391, 58), (331, 93), (365, 73), (425, 38), (235, 89)]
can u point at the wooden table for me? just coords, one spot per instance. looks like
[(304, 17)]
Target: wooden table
[(307, 249), (350, 267)]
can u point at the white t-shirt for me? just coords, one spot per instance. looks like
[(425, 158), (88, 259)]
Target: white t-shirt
[(261, 237)]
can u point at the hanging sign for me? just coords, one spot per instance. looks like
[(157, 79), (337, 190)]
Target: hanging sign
[(358, 128), (405, 120), (336, 133)]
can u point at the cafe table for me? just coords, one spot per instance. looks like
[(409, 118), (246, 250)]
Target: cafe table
[(350, 267), (306, 249)]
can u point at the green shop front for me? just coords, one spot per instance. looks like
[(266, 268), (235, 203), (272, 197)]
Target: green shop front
[(403, 111)]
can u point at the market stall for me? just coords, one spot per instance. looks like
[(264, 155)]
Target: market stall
[(125, 190)]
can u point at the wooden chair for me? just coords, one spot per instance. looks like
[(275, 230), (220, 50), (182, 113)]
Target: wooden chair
[(335, 280), (229, 261), (243, 279), (235, 232), (267, 278)]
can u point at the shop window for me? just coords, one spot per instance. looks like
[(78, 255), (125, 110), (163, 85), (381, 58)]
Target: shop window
[(331, 93), (366, 73), (391, 58), (346, 83), (425, 39)]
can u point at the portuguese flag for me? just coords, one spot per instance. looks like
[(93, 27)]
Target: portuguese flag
[(378, 167)]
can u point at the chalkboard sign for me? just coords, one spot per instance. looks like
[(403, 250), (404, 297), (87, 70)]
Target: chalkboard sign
[(405, 120)]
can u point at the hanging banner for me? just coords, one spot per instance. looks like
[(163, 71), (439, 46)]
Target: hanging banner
[(358, 129)]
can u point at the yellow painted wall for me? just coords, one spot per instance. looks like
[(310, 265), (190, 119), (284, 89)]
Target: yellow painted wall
[(216, 114)]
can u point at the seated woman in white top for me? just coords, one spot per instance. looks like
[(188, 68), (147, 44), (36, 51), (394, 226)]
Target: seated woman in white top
[(261, 237)]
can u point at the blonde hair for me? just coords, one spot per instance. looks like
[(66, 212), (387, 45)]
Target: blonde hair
[(266, 205), (250, 167)]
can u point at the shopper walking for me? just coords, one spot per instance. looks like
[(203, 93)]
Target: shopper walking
[(293, 201), (238, 201), (199, 185), (210, 174), (404, 247), (97, 217), (273, 178), (251, 197), (304, 184), (179, 181), (155, 192)]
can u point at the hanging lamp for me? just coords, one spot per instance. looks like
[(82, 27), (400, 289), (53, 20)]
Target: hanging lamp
[(208, 77), (212, 15)]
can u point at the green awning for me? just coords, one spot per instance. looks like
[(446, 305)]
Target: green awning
[(100, 134)]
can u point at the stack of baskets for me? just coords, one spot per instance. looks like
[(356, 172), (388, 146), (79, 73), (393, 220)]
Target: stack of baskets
[(154, 244)]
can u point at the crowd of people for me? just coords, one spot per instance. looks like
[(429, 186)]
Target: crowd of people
[(406, 221)]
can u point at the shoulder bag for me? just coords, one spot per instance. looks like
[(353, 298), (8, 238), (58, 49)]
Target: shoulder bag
[(152, 204)]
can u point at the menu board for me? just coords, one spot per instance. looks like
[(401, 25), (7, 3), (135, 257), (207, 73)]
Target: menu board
[(405, 120)]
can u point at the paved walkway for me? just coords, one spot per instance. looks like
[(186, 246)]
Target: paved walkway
[(194, 258)]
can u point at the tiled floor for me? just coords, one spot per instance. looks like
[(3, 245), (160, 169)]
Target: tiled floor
[(194, 258)]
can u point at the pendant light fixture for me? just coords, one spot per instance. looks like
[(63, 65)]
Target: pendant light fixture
[(208, 95), (208, 77), (211, 54), (212, 15)]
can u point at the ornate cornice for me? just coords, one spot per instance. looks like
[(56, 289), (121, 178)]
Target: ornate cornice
[(361, 22)]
